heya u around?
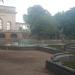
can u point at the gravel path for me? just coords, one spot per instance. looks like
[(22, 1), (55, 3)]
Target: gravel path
[(23, 62)]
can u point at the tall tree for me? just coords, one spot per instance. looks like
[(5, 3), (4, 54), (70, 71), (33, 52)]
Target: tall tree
[(66, 21), (41, 22)]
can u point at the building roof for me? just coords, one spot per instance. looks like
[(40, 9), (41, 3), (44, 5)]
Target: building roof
[(7, 9), (20, 23)]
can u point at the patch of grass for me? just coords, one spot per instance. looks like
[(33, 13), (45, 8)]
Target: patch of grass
[(73, 53), (69, 64), (61, 47)]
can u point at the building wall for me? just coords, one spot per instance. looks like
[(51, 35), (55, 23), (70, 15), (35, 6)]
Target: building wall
[(21, 25), (8, 18), (8, 14)]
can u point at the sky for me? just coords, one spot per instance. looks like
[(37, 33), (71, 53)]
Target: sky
[(53, 6)]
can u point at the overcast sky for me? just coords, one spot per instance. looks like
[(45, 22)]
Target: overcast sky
[(53, 6)]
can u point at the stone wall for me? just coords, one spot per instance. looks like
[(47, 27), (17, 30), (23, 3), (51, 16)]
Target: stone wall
[(59, 69)]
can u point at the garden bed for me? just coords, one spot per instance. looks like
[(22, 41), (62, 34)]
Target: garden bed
[(70, 64), (61, 47)]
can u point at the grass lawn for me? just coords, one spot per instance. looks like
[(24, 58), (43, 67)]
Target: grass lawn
[(73, 53), (69, 64), (61, 47)]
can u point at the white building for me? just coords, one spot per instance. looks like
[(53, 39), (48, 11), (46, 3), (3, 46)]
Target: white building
[(9, 28)]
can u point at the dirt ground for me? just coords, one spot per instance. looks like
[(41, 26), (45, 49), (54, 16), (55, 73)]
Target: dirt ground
[(23, 62)]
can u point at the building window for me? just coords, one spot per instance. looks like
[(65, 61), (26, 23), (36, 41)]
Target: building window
[(1, 24), (2, 35), (13, 35), (8, 25)]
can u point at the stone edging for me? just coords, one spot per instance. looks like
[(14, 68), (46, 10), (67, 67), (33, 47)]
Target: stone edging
[(59, 69), (39, 48)]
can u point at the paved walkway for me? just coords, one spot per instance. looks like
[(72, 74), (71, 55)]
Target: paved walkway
[(23, 63)]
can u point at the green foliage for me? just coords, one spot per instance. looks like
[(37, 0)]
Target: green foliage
[(69, 64), (66, 21), (60, 47), (41, 22), (43, 25)]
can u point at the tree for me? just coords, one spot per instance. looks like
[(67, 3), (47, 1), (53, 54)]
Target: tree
[(41, 22), (66, 21)]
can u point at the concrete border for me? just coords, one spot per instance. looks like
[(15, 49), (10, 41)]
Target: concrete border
[(59, 69), (39, 48)]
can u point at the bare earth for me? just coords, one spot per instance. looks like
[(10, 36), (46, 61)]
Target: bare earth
[(23, 62)]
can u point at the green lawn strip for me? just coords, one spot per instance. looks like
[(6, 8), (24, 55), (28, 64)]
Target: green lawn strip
[(61, 47), (69, 64), (73, 53)]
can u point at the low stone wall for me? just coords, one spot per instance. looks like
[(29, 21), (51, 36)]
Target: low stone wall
[(59, 69), (17, 48), (70, 47), (49, 49), (39, 48), (67, 58), (63, 58)]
